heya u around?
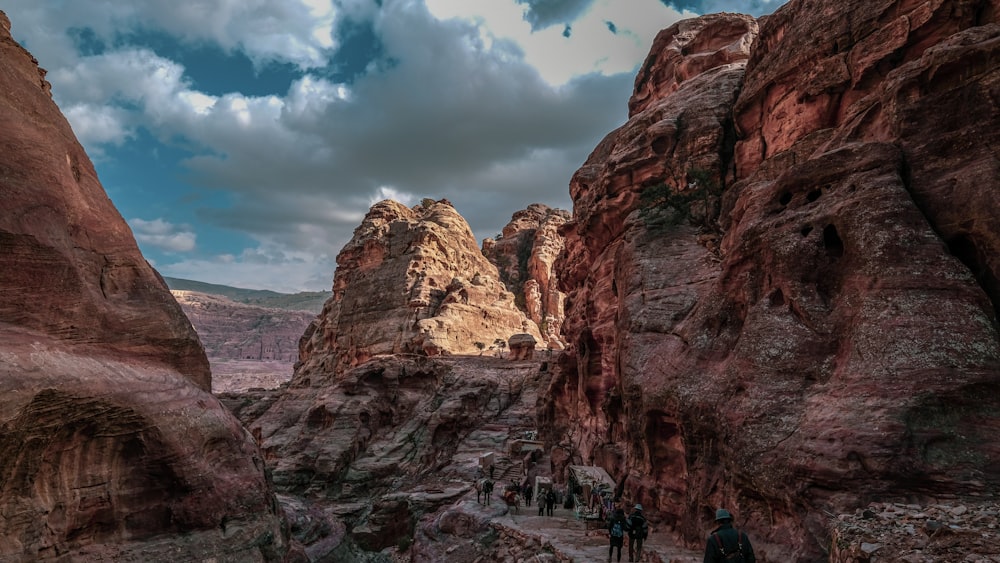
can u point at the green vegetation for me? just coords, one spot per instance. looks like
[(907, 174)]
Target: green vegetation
[(662, 206)]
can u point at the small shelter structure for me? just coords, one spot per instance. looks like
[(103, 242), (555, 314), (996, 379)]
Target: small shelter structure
[(593, 491)]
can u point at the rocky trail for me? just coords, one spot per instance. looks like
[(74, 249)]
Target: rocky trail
[(560, 537)]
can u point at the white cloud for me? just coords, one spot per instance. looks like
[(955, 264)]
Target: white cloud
[(468, 104), (260, 268), (591, 45), (296, 31), (163, 235)]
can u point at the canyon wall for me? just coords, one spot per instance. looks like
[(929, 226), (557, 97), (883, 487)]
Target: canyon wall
[(525, 254), (782, 271), (412, 280), (235, 331), (113, 448)]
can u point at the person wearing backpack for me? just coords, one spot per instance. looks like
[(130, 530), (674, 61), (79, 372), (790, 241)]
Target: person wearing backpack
[(617, 527), (638, 529), (727, 544)]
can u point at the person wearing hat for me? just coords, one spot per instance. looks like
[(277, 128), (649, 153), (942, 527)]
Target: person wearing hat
[(727, 544), (638, 529)]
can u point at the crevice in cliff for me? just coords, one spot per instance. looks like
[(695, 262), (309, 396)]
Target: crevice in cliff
[(964, 247)]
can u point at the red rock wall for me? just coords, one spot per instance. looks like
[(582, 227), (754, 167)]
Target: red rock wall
[(70, 266), (839, 343), (111, 447)]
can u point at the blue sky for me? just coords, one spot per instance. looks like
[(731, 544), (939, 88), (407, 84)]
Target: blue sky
[(244, 140)]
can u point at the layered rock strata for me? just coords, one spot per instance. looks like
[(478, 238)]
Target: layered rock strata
[(112, 447), (832, 339), (234, 331), (412, 280), (525, 254)]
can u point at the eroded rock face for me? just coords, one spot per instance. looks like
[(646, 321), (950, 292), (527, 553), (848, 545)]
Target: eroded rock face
[(626, 284), (235, 331), (525, 255), (367, 454), (112, 446), (829, 349), (411, 281)]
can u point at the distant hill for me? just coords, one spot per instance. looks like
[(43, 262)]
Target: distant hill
[(311, 301)]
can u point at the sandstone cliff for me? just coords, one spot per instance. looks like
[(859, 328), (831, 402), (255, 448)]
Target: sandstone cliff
[(411, 281), (112, 448), (525, 255), (832, 338)]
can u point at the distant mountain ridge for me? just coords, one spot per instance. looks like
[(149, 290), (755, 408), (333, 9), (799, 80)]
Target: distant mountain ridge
[(311, 301)]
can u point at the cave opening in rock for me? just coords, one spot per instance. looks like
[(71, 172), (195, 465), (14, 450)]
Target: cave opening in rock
[(832, 242)]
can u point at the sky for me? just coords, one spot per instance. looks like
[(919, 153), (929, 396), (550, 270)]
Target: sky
[(244, 140)]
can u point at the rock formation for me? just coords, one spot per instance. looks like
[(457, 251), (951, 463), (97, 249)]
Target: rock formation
[(522, 346), (525, 254), (233, 331), (831, 339), (361, 457), (412, 281), (112, 447)]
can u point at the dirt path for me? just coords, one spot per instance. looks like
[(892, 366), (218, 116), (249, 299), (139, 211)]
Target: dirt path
[(569, 536)]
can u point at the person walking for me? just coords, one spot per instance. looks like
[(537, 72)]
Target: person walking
[(638, 529), (550, 502), (527, 494), (617, 527), (727, 544)]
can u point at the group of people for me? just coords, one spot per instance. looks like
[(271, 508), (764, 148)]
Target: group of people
[(725, 544), (634, 525), (546, 502), (546, 498)]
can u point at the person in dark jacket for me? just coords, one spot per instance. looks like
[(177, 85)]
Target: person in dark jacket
[(637, 530), (617, 528), (527, 494), (550, 502), (726, 540)]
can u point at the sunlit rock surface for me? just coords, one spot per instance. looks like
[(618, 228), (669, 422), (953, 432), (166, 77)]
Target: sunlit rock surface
[(525, 254), (411, 280)]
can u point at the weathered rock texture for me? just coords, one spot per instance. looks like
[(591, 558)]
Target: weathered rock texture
[(832, 340), (367, 454), (112, 448), (234, 331), (412, 281), (525, 254)]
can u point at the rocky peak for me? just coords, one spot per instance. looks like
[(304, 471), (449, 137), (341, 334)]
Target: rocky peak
[(688, 49), (412, 280), (525, 255)]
